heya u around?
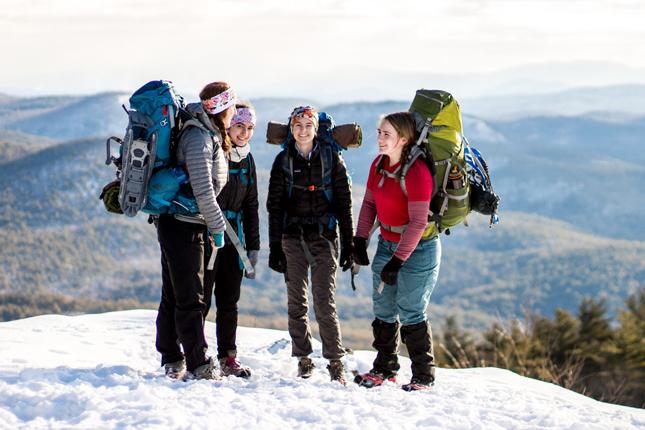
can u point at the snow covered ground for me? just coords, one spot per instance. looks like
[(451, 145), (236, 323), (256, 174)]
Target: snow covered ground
[(102, 372)]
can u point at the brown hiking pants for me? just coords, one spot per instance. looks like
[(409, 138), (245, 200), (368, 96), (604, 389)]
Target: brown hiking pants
[(321, 255)]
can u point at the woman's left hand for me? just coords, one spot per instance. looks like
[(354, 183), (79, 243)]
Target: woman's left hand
[(391, 270)]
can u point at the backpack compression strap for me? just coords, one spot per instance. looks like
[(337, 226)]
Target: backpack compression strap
[(326, 162), (423, 139)]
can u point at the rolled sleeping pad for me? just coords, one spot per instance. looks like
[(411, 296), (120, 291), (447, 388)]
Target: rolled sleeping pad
[(346, 135)]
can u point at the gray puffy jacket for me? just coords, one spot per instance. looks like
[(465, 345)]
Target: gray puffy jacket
[(200, 150)]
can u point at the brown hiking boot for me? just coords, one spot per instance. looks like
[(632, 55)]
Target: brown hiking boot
[(305, 367), (337, 371)]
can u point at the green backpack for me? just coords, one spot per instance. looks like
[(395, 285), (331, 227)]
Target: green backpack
[(441, 142)]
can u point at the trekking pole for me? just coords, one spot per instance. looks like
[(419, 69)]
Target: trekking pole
[(354, 271), (230, 232), (211, 261)]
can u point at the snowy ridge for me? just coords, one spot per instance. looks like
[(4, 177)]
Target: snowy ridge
[(101, 372)]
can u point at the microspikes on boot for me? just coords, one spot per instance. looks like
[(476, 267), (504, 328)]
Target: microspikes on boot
[(372, 378)]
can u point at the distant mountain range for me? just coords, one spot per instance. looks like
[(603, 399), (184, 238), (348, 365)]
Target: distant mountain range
[(572, 211), (73, 117), (619, 103)]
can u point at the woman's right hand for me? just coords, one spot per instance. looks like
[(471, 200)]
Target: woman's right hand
[(360, 251), (218, 239), (277, 259)]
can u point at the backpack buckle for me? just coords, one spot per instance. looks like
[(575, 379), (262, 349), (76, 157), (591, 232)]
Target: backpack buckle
[(311, 188)]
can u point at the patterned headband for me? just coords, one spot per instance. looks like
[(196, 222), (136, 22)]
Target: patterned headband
[(243, 114), (305, 112), (220, 102)]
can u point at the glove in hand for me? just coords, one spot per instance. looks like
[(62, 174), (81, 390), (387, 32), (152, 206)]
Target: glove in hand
[(391, 270)]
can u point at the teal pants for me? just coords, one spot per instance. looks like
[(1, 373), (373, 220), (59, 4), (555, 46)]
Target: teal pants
[(408, 300)]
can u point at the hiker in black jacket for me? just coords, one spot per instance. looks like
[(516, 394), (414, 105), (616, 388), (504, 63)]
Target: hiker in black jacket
[(309, 195), (239, 203)]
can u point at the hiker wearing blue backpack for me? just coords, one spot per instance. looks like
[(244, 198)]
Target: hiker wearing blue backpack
[(406, 264), (189, 241), (309, 195), (239, 202)]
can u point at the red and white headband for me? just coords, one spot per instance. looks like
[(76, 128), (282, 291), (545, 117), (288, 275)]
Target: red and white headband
[(220, 102)]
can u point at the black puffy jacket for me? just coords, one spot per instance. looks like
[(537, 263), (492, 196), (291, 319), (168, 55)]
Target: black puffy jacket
[(240, 195), (304, 205)]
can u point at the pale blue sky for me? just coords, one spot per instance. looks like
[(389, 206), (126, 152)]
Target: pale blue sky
[(324, 49)]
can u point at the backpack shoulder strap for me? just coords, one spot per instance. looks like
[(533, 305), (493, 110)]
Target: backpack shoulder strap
[(327, 164), (251, 167), (287, 168)]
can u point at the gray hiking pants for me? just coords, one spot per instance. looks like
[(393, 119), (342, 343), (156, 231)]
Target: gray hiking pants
[(321, 255)]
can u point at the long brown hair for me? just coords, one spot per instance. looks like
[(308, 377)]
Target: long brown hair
[(211, 90), (404, 125)]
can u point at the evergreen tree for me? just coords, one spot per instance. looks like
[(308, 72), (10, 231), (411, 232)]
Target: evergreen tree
[(595, 338), (631, 342)]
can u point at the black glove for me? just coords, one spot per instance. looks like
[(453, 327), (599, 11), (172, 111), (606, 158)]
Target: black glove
[(360, 251), (391, 270), (347, 256), (277, 259)]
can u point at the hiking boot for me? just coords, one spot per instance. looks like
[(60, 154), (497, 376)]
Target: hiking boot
[(176, 369), (305, 367), (373, 379), (205, 371), (336, 371), (229, 366), (418, 384)]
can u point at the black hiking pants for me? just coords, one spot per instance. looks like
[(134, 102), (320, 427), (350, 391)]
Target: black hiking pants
[(180, 320), (228, 279)]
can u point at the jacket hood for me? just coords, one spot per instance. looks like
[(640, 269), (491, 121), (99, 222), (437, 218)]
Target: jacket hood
[(197, 111)]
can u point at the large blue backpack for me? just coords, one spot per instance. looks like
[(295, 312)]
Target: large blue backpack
[(149, 179)]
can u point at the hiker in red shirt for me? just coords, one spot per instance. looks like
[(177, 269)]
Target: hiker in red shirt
[(406, 264)]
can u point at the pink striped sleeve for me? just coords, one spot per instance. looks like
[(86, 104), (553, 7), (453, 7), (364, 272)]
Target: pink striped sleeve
[(367, 215), (418, 213)]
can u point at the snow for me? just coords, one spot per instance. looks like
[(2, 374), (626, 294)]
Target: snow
[(102, 372)]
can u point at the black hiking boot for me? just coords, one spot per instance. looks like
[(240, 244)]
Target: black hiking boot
[(373, 378), (305, 367), (337, 371)]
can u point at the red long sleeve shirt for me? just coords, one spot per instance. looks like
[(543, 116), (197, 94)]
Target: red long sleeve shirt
[(385, 199)]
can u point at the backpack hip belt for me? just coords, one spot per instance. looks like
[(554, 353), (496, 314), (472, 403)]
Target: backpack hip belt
[(328, 220), (398, 229)]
